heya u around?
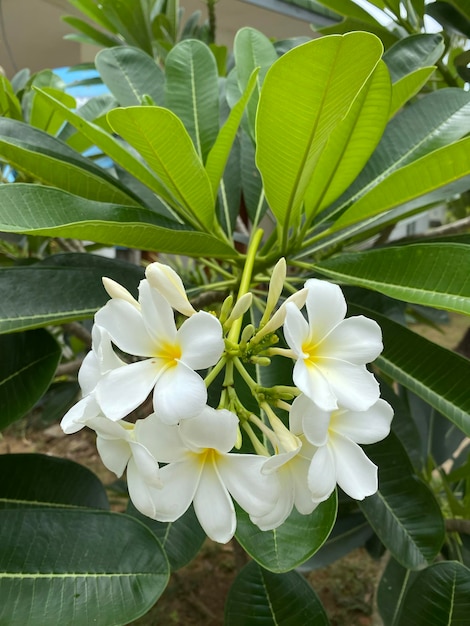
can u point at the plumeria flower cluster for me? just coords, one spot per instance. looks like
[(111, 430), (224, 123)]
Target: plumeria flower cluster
[(161, 353)]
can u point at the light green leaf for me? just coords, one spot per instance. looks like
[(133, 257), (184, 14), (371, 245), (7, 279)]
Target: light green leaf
[(252, 50), (38, 210), (292, 543), (161, 139), (26, 369), (438, 595), (131, 22), (351, 143), (77, 567), (349, 24), (61, 288), (45, 117), (404, 512), (412, 53), (130, 74), (408, 86), (431, 274), (90, 34), (40, 480), (219, 154), (258, 597), (438, 376), (349, 8), (192, 92), (94, 12), (9, 104), (305, 95), (417, 179)]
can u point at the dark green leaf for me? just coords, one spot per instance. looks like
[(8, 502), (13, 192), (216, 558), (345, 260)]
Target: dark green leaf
[(258, 597), (450, 18), (27, 366), (286, 547), (77, 567), (391, 590), (40, 480), (412, 53)]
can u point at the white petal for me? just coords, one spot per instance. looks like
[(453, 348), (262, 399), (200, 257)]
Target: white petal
[(214, 507), (164, 278), (76, 417), (356, 340), (302, 495), (315, 384), (201, 341), (126, 327), (216, 429), (179, 394), (114, 453), (311, 420), (283, 507), (124, 389), (143, 495), (353, 385), (322, 474), (326, 307), (296, 330), (364, 426), (180, 481), (145, 464), (89, 373), (355, 472), (162, 440), (254, 491), (157, 315), (108, 359)]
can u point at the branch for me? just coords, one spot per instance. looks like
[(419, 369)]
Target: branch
[(461, 526)]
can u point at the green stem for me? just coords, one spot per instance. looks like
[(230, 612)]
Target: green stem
[(252, 384), (209, 379)]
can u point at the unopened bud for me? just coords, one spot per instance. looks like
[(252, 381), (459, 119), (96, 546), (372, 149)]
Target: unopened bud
[(247, 334), (241, 307), (115, 290), (166, 281), (276, 285), (225, 309)]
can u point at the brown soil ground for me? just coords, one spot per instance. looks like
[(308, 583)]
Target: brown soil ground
[(196, 594)]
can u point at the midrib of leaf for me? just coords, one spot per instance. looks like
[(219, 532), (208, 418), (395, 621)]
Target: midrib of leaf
[(28, 366), (195, 110), (268, 599)]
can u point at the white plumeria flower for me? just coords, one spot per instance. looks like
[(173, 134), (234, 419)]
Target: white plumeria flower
[(173, 356), (336, 435), (100, 360), (201, 470), (331, 351), (165, 280), (120, 444)]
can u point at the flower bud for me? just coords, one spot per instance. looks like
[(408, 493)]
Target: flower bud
[(115, 290), (166, 281), (241, 307)]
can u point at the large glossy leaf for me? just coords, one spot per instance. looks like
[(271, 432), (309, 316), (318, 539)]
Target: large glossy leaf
[(252, 50), (40, 480), (130, 74), (431, 274), (60, 289), (38, 210), (403, 512), (161, 139), (288, 546), (131, 21), (260, 598), (77, 567), (391, 591), (351, 143), (43, 116), (192, 92), (438, 376), (412, 53), (305, 95), (411, 182), (181, 539), (27, 366), (408, 86), (438, 595)]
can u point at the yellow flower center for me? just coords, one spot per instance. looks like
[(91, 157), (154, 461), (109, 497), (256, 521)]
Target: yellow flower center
[(171, 352)]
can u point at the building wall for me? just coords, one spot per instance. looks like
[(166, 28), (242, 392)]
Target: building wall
[(33, 31)]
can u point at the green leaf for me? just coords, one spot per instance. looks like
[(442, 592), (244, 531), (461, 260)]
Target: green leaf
[(296, 540), (252, 51), (349, 8), (41, 480), (438, 376), (192, 92), (258, 597), (413, 53), (220, 151), (181, 539), (348, 25), (161, 139), (45, 117), (391, 591), (450, 18), (351, 143), (9, 104), (130, 74), (62, 288), (408, 86), (403, 512), (94, 12), (305, 95), (77, 567), (131, 22), (411, 182), (38, 210), (91, 34), (27, 367), (438, 595), (430, 274)]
